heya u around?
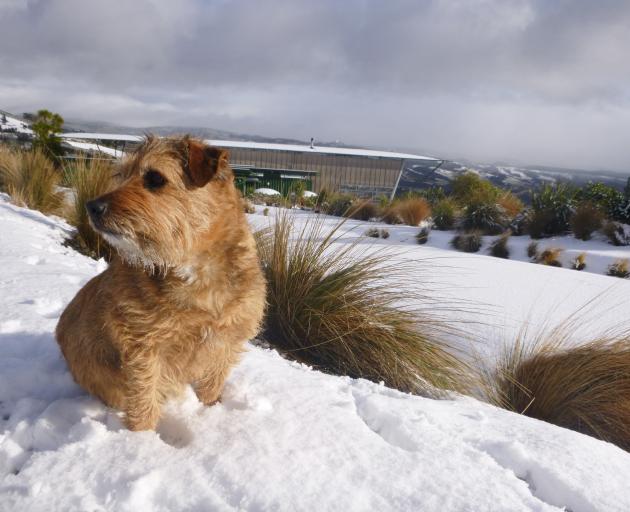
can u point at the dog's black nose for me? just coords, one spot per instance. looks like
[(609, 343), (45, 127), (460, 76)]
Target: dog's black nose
[(96, 208)]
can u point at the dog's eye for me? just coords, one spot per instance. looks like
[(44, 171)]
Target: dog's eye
[(153, 180)]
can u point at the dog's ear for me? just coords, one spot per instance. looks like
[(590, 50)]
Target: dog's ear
[(204, 162)]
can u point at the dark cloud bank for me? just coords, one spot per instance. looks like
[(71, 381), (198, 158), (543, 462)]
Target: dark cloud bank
[(531, 81)]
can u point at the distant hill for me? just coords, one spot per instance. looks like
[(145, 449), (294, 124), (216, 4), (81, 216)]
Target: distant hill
[(520, 180)]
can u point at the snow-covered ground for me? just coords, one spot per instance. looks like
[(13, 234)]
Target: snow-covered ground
[(285, 437), (14, 124)]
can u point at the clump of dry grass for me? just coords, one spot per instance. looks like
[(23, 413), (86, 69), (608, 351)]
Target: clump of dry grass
[(413, 210), (585, 388), (532, 250), (579, 263), (361, 209), (510, 203), (619, 269), (550, 257), (499, 247), (89, 179), (423, 235), (586, 219), (341, 311), (467, 242), (30, 178)]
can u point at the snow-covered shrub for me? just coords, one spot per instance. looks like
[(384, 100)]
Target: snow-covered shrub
[(519, 224), (615, 204), (444, 214), (89, 179), (384, 233), (619, 269), (586, 219), (467, 242), (552, 208), (266, 212), (489, 218), (372, 232), (582, 388), (423, 235), (617, 233), (342, 312), (499, 247), (30, 178)]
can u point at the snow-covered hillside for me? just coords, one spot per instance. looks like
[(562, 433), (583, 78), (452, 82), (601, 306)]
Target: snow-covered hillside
[(285, 437), (9, 123)]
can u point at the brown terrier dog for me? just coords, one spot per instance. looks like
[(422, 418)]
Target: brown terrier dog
[(185, 293)]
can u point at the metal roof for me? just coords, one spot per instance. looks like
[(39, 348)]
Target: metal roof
[(263, 146)]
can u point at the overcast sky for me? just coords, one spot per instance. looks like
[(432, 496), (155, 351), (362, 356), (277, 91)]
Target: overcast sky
[(527, 81)]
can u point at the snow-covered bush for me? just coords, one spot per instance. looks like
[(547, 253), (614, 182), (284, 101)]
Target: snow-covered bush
[(617, 233), (490, 218), (552, 208)]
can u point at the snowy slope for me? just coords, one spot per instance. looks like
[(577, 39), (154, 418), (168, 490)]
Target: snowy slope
[(284, 437), (14, 124)]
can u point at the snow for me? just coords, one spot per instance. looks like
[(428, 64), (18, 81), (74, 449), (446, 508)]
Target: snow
[(15, 124), (309, 193), (284, 437), (87, 146), (267, 192)]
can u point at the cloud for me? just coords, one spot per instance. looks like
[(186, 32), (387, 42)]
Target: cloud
[(486, 79)]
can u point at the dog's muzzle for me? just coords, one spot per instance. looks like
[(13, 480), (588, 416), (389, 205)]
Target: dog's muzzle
[(96, 209)]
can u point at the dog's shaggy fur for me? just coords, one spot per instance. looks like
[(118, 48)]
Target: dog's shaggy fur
[(185, 292)]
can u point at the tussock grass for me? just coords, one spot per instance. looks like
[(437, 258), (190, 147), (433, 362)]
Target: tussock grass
[(510, 203), (361, 209), (550, 257), (413, 210), (30, 178), (532, 250), (585, 388), (423, 235), (467, 242), (579, 263), (340, 310), (619, 269), (89, 179), (499, 247), (586, 219)]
